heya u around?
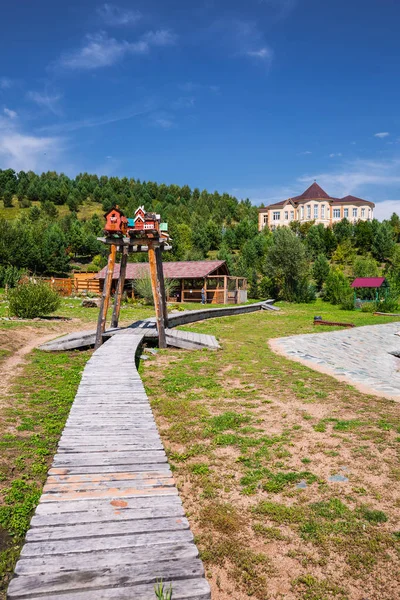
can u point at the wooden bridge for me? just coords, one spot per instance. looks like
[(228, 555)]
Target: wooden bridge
[(110, 523)]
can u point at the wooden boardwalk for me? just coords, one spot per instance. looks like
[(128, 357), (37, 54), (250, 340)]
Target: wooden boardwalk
[(110, 522)]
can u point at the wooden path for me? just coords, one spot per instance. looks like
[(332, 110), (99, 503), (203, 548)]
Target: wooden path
[(178, 338), (110, 522)]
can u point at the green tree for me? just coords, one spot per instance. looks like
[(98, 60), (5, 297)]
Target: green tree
[(337, 288), (320, 270), (383, 243), (286, 263)]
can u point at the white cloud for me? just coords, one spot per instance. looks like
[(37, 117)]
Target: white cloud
[(263, 53), (382, 134), (183, 102), (5, 83), (356, 175), (304, 153), (119, 115), (114, 15), (161, 37), (24, 151), (100, 50), (333, 154), (243, 38), (45, 100), (163, 122), (385, 209), (10, 113)]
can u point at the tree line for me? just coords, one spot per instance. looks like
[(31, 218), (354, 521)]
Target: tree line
[(291, 263)]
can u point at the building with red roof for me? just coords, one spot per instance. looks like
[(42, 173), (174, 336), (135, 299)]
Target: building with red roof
[(190, 276), (314, 204)]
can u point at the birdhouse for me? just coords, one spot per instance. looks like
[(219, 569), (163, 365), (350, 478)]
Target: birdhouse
[(116, 222)]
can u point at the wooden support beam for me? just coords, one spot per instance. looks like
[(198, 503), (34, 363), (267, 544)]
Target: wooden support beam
[(160, 275), (105, 297), (120, 288), (158, 304)]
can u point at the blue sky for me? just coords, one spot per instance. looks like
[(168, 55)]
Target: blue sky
[(254, 97)]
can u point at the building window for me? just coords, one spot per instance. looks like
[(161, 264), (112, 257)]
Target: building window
[(336, 213), (276, 215), (315, 211), (265, 219), (302, 212), (354, 212), (291, 215), (286, 215), (309, 212), (346, 213), (323, 211), (363, 213)]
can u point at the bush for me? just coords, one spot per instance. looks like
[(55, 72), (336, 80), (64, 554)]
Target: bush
[(389, 305), (33, 298), (142, 287), (305, 292), (337, 289), (9, 276)]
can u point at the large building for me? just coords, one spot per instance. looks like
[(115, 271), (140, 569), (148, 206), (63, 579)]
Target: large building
[(315, 205)]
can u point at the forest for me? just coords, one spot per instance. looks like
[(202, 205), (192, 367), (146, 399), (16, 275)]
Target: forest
[(50, 237)]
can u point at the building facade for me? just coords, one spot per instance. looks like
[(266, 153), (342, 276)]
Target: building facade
[(315, 205)]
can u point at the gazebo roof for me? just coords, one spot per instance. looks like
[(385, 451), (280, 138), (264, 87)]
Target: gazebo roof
[(190, 269), (368, 282)]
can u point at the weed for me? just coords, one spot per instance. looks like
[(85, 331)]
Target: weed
[(161, 593)]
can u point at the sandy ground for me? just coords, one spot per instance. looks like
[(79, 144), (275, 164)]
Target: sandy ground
[(20, 341)]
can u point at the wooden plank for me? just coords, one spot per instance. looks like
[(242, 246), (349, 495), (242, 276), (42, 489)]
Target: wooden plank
[(104, 558), (185, 589), (105, 529), (132, 575), (104, 515), (117, 541)]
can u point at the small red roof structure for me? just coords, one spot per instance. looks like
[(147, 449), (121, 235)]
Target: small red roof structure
[(369, 282), (313, 192), (191, 269)]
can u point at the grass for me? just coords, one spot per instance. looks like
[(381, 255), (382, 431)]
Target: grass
[(244, 426), (85, 211), (33, 417)]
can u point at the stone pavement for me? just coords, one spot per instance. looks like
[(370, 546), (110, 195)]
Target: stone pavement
[(361, 356)]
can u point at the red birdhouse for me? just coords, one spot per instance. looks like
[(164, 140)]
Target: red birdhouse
[(116, 222)]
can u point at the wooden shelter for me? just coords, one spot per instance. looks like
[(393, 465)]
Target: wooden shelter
[(191, 277), (379, 284)]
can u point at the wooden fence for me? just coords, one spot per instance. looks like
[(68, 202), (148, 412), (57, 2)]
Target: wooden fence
[(67, 286)]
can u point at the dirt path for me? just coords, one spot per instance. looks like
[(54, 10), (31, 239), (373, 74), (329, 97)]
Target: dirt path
[(20, 342)]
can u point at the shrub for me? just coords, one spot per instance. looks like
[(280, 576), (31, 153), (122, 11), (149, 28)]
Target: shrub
[(305, 292), (390, 304), (337, 289), (10, 276), (33, 298), (142, 287), (320, 270)]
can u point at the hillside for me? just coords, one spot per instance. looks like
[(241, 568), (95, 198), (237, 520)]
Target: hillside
[(49, 222)]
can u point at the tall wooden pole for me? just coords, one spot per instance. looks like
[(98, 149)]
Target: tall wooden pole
[(105, 297), (120, 288), (160, 275), (155, 284)]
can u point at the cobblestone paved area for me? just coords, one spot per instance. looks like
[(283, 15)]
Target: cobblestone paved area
[(361, 356)]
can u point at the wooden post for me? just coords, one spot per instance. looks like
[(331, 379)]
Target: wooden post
[(225, 289), (120, 288), (105, 297), (155, 284), (160, 275)]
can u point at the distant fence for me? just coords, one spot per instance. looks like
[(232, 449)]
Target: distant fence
[(67, 286)]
